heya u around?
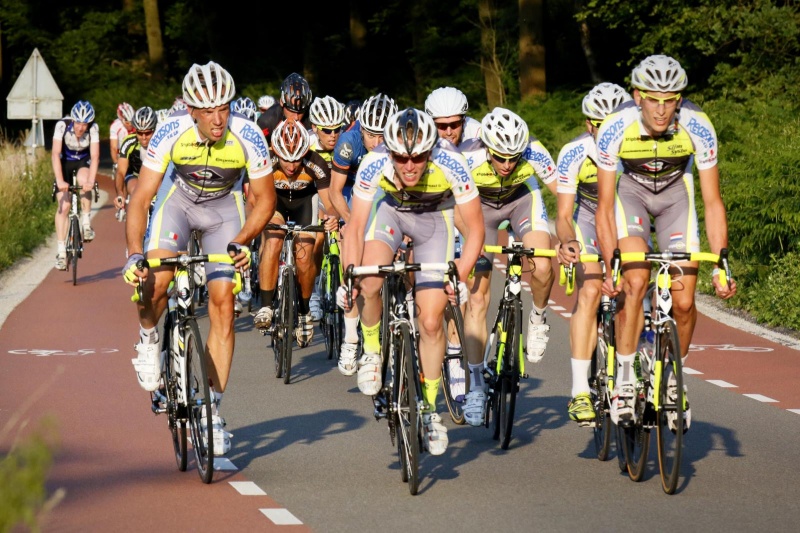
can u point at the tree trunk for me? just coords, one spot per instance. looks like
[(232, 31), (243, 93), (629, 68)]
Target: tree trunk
[(155, 45), (129, 8), (358, 30), (532, 78), (586, 44), (491, 66)]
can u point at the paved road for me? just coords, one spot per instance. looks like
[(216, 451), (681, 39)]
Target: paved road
[(310, 453)]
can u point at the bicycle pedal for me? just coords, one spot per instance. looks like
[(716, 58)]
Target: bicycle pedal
[(525, 376)]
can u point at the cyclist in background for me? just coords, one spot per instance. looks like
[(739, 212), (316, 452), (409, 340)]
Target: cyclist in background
[(264, 102), (505, 163), (352, 146), (409, 187), (295, 100), (448, 107), (76, 147), (575, 226), (244, 106), (130, 155), (120, 128), (352, 109), (655, 138)]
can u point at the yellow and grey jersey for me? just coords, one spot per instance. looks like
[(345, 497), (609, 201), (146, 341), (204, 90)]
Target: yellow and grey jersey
[(577, 170)]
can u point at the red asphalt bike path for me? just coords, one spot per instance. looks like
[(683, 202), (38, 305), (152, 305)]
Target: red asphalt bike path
[(117, 471)]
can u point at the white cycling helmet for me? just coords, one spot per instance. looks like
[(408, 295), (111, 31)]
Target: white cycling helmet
[(265, 102), (244, 106), (162, 115), (375, 112), (178, 105), (207, 86), (410, 132), (125, 111), (659, 73), (603, 99), (446, 102), (504, 132), (290, 140), (326, 112), (82, 112), (144, 119)]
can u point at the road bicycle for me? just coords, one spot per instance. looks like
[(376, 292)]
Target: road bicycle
[(400, 399), (185, 395), (251, 285), (503, 357), (74, 242), (659, 388), (332, 323), (286, 298)]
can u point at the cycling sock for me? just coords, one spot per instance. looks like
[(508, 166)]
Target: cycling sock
[(453, 348), (267, 297), (625, 368), (430, 388), (351, 330), (148, 335), (372, 341), (62, 247), (303, 306), (580, 371), (476, 371), (537, 315), (86, 219)]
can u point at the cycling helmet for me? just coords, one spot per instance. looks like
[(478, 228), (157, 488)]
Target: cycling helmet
[(295, 93), (659, 73), (352, 110), (375, 112), (244, 106), (504, 132), (290, 140), (326, 112), (603, 99), (410, 132), (207, 86), (125, 112), (162, 115), (446, 102), (82, 112), (178, 105), (144, 119), (265, 102)]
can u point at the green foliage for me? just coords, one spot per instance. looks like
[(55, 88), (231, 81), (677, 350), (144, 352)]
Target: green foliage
[(771, 299)]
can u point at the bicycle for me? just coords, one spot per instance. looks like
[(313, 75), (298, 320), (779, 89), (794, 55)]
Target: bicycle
[(74, 242), (659, 388), (400, 399), (503, 356), (332, 323), (186, 396), (286, 299)]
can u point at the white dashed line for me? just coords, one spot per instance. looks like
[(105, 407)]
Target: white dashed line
[(761, 398), (691, 371), (551, 302), (223, 463), (558, 308), (795, 411), (720, 383), (566, 315), (281, 517), (247, 488)]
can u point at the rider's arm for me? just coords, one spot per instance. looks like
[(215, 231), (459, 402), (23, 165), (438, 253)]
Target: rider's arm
[(565, 230), (119, 179), (113, 144), (716, 217), (338, 181), (354, 251), (94, 153), (149, 181), (262, 190), (55, 158), (606, 224), (472, 216)]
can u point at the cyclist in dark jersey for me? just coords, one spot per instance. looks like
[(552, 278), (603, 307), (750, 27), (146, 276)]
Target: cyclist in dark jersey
[(130, 156)]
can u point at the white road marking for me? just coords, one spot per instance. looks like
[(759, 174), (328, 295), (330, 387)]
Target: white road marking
[(692, 371), (558, 308), (720, 383), (223, 463), (761, 398), (566, 315), (247, 488), (281, 517), (795, 411)]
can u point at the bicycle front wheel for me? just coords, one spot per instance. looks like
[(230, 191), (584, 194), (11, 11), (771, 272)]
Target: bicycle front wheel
[(290, 316), (199, 400), (671, 404), (636, 444), (455, 368), (598, 384), (176, 419), (508, 346), (408, 417), (75, 244)]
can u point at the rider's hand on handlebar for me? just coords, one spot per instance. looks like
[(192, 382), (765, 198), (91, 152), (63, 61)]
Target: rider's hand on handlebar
[(341, 297), (119, 202), (240, 254), (331, 223), (609, 289), (723, 292), (131, 272), (62, 185), (569, 253), (463, 293)]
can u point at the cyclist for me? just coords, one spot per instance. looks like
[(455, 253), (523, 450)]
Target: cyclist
[(299, 175), (265, 102), (655, 138), (295, 100), (208, 149), (120, 128), (352, 146), (408, 187), (130, 154), (161, 116), (505, 162), (76, 147), (351, 111), (575, 226), (448, 107), (244, 106)]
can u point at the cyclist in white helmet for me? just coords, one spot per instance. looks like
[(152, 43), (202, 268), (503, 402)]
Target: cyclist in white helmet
[(264, 102), (76, 148), (131, 153), (575, 226), (203, 150), (409, 187), (120, 128), (505, 163), (448, 107), (655, 139), (244, 106)]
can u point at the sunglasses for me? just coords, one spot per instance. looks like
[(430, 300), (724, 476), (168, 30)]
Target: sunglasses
[(500, 158), (595, 123), (144, 132), (329, 131), (444, 126), (672, 100), (403, 159)]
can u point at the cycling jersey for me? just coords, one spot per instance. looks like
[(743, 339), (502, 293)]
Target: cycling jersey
[(656, 163), (496, 190), (327, 155), (132, 150), (74, 148), (273, 116), (445, 182), (577, 170), (312, 175), (118, 131), (204, 172), (472, 129), (349, 151)]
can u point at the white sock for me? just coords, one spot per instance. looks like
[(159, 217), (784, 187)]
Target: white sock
[(62, 247), (351, 330), (148, 335), (453, 348), (625, 372), (476, 376), (580, 369), (86, 219), (537, 315)]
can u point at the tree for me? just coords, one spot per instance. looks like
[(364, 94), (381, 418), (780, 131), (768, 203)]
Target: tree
[(491, 65), (155, 44), (532, 75)]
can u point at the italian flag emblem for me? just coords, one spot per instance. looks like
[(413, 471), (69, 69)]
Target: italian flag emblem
[(636, 220), (171, 235), (388, 230)]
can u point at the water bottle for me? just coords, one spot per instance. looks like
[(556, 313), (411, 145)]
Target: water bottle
[(645, 352)]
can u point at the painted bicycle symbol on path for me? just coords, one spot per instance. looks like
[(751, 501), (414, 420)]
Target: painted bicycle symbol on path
[(39, 352), (728, 348)]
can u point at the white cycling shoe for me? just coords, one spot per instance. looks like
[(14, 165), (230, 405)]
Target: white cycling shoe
[(435, 434), (369, 374), (475, 407), (222, 439), (537, 340), (347, 358), (148, 364)]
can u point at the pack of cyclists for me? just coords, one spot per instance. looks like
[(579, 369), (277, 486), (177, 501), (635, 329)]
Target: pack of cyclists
[(386, 176)]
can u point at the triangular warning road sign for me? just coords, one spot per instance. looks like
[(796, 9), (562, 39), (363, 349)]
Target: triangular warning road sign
[(35, 85)]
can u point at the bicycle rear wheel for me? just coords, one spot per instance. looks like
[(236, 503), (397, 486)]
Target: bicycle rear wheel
[(598, 384), (669, 444), (455, 378), (176, 418), (409, 420), (199, 400)]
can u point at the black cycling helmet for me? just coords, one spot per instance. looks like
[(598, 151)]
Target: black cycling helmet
[(295, 93), (352, 110)]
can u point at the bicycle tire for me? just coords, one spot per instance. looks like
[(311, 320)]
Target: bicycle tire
[(290, 315), (454, 405), (176, 419), (408, 394), (510, 383), (280, 329), (599, 393), (199, 400), (75, 244), (335, 314), (636, 445), (670, 444)]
